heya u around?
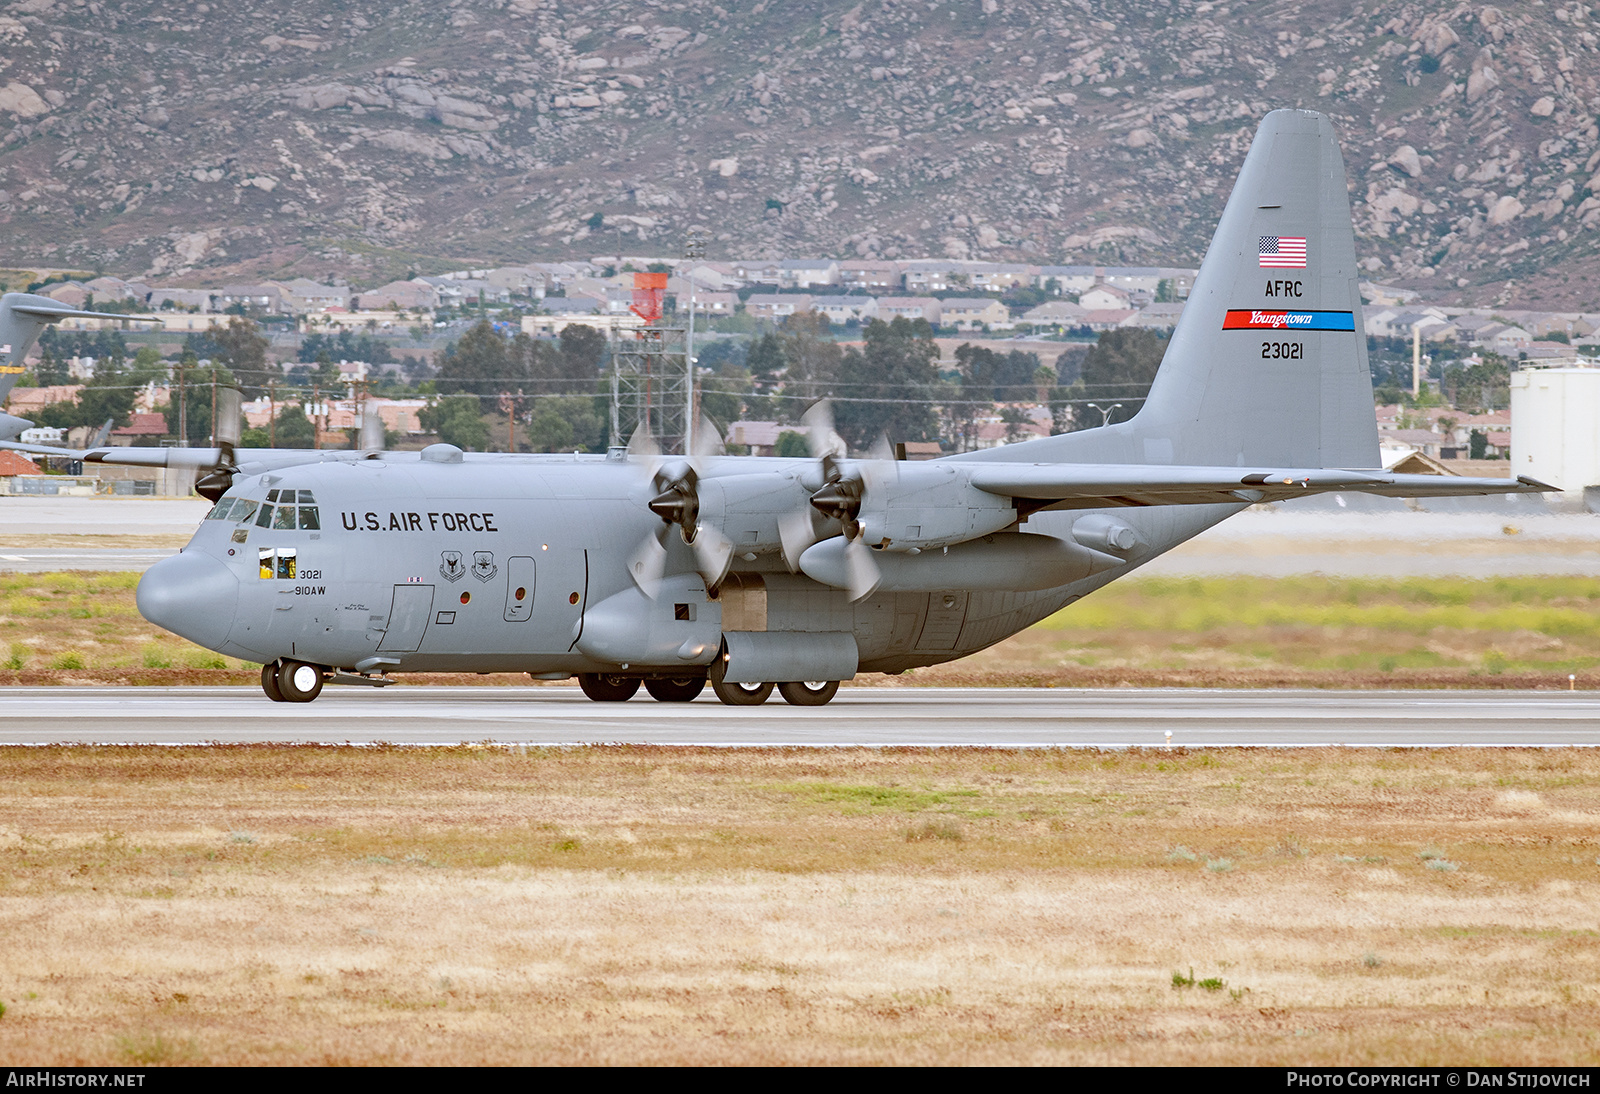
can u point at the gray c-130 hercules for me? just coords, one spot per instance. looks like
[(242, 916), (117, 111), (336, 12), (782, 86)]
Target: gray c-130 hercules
[(756, 572)]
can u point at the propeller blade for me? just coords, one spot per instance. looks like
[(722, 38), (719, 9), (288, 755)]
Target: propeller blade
[(230, 417), (796, 532), (647, 564), (823, 440), (864, 572), (881, 449), (642, 444), (372, 432), (707, 439), (713, 555)]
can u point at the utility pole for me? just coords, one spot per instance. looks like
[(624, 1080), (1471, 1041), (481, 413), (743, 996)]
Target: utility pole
[(694, 248), (272, 410), (213, 406), (1416, 359), (183, 416)]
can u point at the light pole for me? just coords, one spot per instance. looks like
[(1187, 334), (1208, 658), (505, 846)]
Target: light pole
[(1105, 411)]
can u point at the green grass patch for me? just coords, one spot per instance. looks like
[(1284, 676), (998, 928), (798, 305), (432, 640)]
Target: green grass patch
[(896, 798)]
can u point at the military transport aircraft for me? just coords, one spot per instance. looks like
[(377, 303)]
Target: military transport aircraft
[(750, 573)]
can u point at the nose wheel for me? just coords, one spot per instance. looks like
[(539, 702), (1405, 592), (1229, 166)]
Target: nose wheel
[(291, 681)]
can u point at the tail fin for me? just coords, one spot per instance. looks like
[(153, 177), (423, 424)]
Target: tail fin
[(1268, 365), (23, 317)]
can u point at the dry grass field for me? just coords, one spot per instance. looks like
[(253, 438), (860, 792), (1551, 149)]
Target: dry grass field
[(1526, 632), (283, 905)]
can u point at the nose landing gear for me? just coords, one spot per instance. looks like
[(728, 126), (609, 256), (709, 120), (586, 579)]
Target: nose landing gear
[(287, 681)]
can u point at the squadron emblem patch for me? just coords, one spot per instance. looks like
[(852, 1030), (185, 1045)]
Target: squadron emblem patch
[(483, 567), (450, 566)]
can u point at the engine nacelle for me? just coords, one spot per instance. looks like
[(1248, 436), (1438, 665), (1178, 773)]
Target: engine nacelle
[(1003, 561)]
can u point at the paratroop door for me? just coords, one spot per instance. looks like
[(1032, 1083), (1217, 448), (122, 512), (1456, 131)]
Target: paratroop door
[(408, 619)]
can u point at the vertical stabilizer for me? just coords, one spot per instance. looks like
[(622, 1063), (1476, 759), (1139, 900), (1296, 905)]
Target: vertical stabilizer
[(1268, 365), (23, 317)]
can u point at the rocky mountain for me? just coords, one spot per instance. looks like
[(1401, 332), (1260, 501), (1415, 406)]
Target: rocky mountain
[(212, 140)]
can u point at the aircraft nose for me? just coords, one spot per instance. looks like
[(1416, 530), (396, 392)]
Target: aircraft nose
[(190, 594)]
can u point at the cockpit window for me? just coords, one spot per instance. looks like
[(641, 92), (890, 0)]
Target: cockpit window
[(238, 509), (284, 517), (308, 518), (265, 519)]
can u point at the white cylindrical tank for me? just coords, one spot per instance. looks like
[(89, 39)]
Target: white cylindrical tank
[(1555, 426)]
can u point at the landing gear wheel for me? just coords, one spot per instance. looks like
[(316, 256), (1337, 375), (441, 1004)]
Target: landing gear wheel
[(602, 687), (269, 682), (299, 682), (808, 693), (680, 690), (741, 695)]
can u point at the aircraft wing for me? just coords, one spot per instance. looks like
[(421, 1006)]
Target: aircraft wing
[(1094, 485), (252, 461)]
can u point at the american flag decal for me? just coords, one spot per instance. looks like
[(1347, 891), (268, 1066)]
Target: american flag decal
[(1283, 252)]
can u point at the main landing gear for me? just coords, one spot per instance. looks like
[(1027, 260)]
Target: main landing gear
[(287, 681), (609, 688)]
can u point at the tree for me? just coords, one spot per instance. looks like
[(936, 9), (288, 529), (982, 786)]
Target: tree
[(583, 352), (479, 364), (456, 420), (566, 422), (810, 361), (766, 364), (291, 429), (244, 351), (890, 387), (51, 371), (1120, 369)]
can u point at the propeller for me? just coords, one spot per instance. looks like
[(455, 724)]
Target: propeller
[(230, 413), (675, 498), (843, 489)]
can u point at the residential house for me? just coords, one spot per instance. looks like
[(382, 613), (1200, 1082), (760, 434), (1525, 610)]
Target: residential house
[(572, 305), (556, 323), (997, 276), (761, 437), (759, 271), (1099, 319), (843, 309), (304, 295), (777, 305), (400, 296), (1103, 297), (710, 303), (517, 280), (26, 402), (910, 307), (267, 296), (74, 294), (1133, 279), (168, 299), (926, 276), (1156, 317), (870, 276), (1070, 280), (1055, 313), (142, 431), (806, 273), (965, 313)]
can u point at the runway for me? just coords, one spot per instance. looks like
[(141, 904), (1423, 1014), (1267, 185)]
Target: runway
[(876, 717)]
